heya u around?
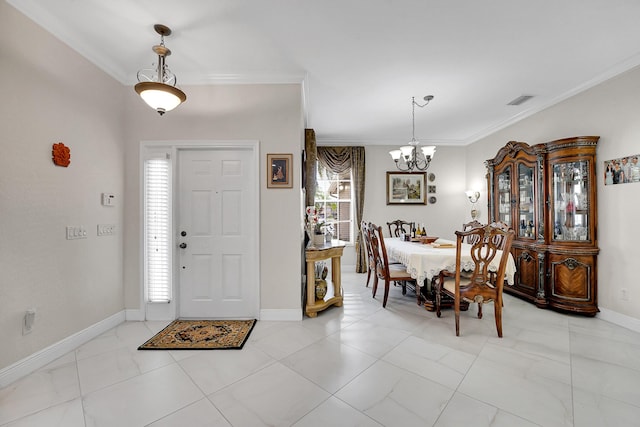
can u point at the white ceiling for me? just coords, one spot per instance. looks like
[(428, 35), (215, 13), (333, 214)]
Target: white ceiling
[(361, 61)]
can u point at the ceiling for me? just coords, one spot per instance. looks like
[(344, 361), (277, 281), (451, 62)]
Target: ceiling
[(361, 61)]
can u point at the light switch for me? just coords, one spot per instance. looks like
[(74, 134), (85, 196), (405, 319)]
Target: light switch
[(106, 229), (76, 233)]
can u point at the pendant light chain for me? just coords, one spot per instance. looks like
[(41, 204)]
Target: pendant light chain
[(407, 158)]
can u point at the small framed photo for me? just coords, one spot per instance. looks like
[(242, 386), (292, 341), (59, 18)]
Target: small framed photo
[(279, 171), (406, 188)]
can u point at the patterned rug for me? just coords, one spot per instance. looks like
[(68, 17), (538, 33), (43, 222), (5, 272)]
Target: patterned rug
[(201, 335)]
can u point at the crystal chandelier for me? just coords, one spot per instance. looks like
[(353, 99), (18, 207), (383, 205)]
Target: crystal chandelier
[(157, 87), (408, 157)]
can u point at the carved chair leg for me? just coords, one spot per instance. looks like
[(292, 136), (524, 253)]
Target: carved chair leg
[(498, 313), (456, 307), (386, 293), (479, 310), (368, 277), (438, 295), (375, 286)]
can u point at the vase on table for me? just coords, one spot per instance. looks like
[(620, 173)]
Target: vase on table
[(321, 288), (318, 239)]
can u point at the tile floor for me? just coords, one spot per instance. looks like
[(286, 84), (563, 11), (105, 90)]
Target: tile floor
[(359, 365)]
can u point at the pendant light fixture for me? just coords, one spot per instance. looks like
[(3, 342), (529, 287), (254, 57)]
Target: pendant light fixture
[(157, 87), (408, 157)]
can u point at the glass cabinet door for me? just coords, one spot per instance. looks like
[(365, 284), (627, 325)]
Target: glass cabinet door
[(504, 196), (571, 201), (526, 222)]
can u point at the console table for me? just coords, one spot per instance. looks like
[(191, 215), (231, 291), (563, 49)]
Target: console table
[(313, 253)]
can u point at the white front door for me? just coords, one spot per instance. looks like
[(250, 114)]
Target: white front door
[(217, 234)]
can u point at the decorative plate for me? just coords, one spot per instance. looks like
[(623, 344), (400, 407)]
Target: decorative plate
[(432, 199), (432, 177)]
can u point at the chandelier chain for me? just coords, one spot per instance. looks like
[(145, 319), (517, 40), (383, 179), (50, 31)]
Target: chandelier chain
[(408, 158)]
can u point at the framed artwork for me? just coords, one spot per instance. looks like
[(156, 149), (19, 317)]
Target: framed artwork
[(279, 171), (406, 188), (622, 171)]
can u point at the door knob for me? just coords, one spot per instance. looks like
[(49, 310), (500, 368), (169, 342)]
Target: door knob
[(183, 245)]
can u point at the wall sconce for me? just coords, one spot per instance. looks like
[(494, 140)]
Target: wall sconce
[(473, 197)]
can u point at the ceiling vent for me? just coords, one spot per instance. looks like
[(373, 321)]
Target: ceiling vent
[(520, 100)]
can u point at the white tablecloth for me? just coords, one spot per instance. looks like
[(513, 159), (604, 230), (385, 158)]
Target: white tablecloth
[(425, 261)]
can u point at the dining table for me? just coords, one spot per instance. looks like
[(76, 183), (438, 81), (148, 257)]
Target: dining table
[(424, 262)]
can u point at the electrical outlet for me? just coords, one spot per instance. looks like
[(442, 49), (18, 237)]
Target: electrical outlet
[(106, 229), (28, 321), (624, 294)]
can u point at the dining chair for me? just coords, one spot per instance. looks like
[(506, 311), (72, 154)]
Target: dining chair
[(499, 239), (397, 227), (371, 260), (384, 270), (468, 226), (481, 286)]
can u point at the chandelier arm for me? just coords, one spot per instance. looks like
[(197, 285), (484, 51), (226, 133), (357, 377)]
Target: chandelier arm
[(407, 168)]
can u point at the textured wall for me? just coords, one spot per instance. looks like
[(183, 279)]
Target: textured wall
[(54, 95)]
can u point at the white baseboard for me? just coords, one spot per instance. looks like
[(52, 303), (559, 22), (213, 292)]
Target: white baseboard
[(283, 315), (134, 315), (47, 355), (619, 319)]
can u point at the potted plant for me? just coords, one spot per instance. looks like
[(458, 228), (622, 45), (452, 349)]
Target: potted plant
[(315, 228)]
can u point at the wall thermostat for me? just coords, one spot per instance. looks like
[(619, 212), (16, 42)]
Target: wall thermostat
[(108, 199)]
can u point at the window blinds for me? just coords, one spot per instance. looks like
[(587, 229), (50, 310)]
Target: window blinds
[(157, 226)]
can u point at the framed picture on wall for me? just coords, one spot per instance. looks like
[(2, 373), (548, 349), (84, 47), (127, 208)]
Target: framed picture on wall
[(279, 171), (406, 188)]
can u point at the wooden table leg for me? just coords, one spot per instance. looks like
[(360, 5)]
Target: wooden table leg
[(336, 278), (311, 287)]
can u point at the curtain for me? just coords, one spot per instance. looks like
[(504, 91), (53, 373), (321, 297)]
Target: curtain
[(310, 166), (357, 170), (342, 159)]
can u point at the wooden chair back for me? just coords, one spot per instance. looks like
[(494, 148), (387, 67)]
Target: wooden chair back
[(481, 285), (468, 226), (397, 227), (371, 260), (383, 269), (379, 251), (498, 239)]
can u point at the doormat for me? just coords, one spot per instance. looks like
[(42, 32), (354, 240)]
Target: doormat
[(201, 335)]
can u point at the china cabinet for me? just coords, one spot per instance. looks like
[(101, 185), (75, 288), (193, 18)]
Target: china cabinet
[(547, 194)]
